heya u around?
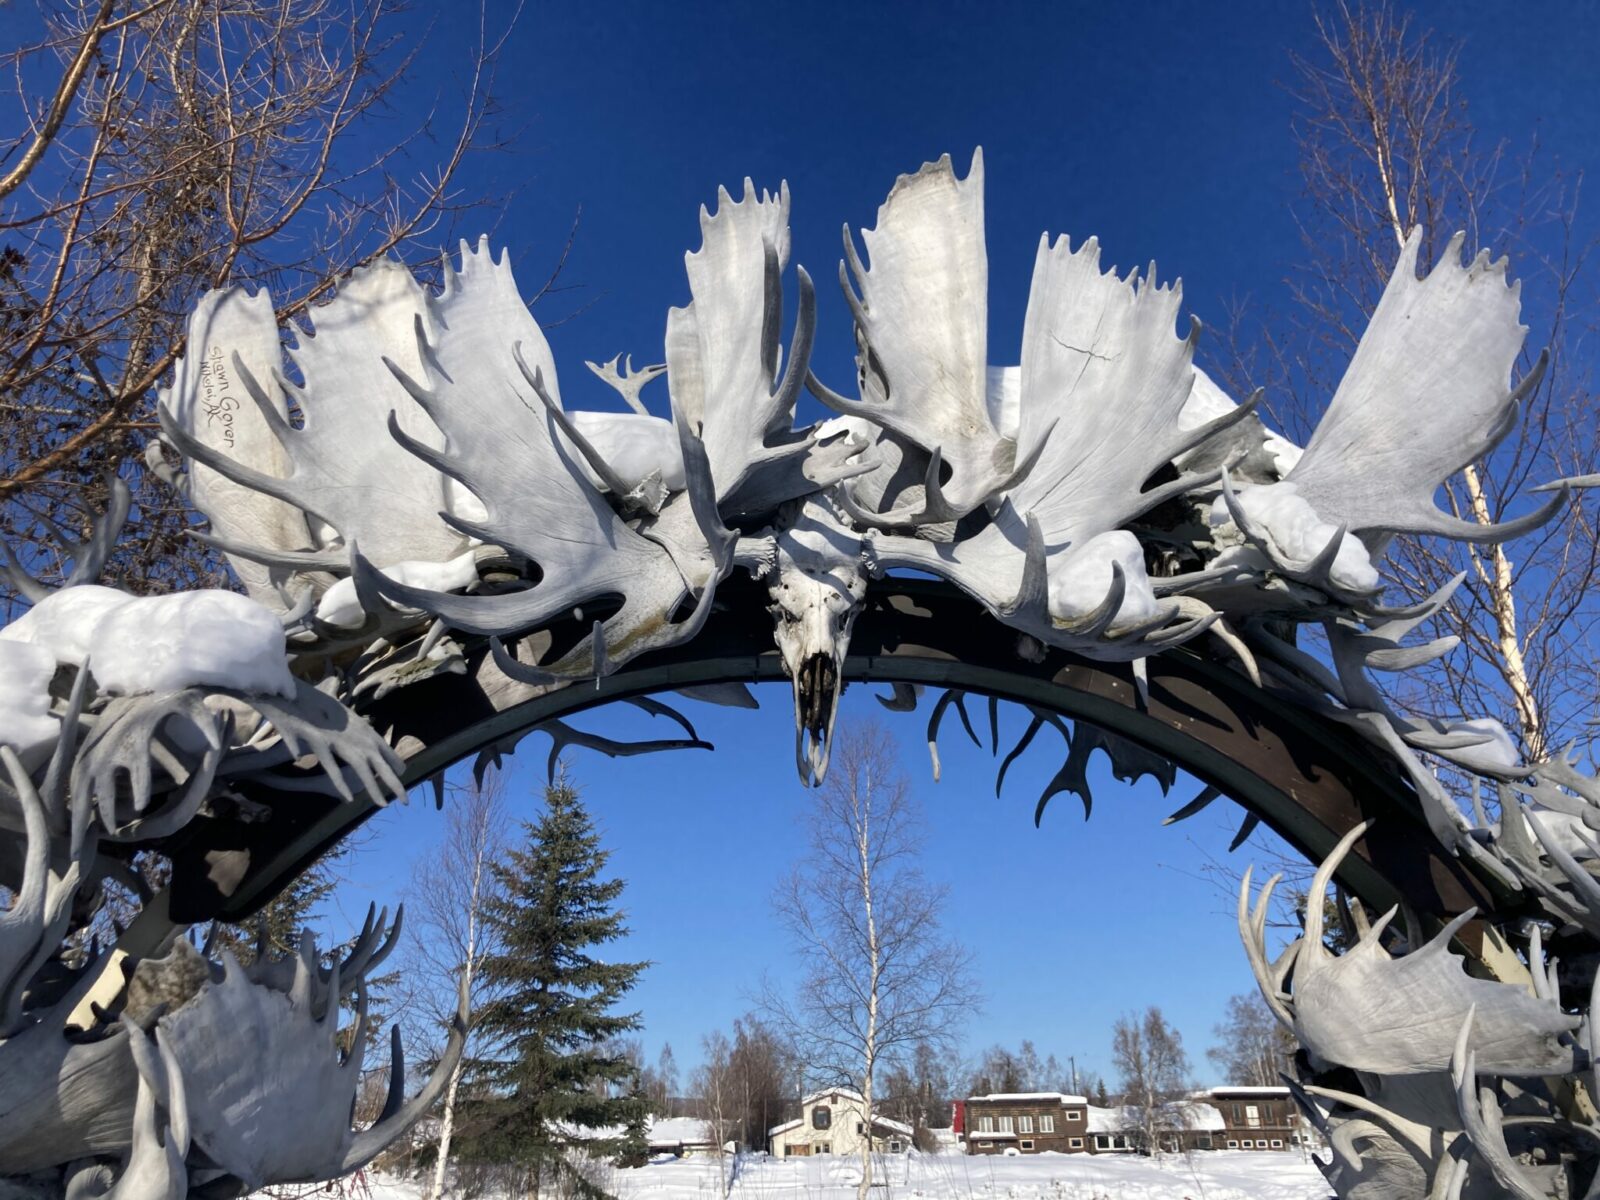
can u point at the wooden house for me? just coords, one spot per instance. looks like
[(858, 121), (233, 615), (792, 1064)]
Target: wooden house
[(834, 1122), (1024, 1123)]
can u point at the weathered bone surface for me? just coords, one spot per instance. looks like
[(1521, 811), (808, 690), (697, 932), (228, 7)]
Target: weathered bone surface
[(439, 510)]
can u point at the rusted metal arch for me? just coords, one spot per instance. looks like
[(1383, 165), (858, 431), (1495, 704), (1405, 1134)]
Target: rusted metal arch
[(1308, 779)]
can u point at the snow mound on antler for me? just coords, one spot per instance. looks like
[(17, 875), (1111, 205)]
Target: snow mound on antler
[(25, 720), (64, 622), (142, 644), (1298, 534), (1085, 577)]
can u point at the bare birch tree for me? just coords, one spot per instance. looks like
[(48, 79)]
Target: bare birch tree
[(1253, 1049), (451, 887), (659, 1084), (716, 1089), (1386, 145), (1149, 1055), (879, 976), (763, 1065), (181, 145)]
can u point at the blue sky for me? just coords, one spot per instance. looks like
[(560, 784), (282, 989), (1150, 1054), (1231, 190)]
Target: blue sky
[(1162, 128), (1072, 924)]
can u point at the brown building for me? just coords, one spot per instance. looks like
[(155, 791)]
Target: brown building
[(1025, 1123), (1256, 1118)]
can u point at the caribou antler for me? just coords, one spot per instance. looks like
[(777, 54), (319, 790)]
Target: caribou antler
[(627, 382)]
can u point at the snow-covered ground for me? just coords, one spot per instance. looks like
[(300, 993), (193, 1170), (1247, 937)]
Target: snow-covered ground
[(1217, 1175)]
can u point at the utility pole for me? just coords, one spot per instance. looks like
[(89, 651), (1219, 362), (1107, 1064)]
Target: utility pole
[(1071, 1058)]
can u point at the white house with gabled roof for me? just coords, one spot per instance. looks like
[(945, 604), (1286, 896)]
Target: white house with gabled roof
[(833, 1121)]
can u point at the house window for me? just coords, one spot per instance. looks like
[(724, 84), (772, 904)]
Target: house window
[(1252, 1116), (1237, 1114), (1277, 1144), (986, 1145), (824, 1148), (985, 1124), (1073, 1114), (1102, 1142), (1232, 1145), (1027, 1143), (1074, 1143), (821, 1118), (1024, 1124), (860, 1128), (1047, 1122), (1202, 1141), (1005, 1125), (895, 1147)]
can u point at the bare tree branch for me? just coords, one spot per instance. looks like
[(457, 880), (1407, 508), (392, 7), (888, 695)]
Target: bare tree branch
[(187, 146)]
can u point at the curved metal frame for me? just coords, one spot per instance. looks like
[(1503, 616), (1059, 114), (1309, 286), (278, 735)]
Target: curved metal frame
[(1308, 779)]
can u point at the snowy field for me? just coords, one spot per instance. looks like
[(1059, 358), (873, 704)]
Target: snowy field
[(1218, 1175)]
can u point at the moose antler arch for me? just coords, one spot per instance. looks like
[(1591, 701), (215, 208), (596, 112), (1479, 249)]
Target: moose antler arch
[(440, 555)]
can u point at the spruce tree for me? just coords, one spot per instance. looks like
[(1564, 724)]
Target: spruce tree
[(552, 1078), (281, 920)]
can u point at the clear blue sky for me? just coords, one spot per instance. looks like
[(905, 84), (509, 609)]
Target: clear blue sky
[(1159, 127)]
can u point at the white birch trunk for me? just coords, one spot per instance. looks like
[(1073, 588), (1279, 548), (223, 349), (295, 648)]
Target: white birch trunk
[(1495, 575), (447, 1121), (864, 850)]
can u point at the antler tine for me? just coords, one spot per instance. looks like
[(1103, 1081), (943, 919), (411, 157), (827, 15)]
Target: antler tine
[(22, 924), (657, 708), (1321, 565), (1097, 620), (1481, 1118), (936, 718), (535, 377), (1206, 795), (394, 1096), (1583, 883), (397, 1112), (155, 1166), (89, 555), (563, 735), (1022, 744), (19, 580), (355, 963), (1319, 886), (798, 366), (1592, 1037), (1255, 948), (358, 1032), (330, 1001), (1230, 499), (1401, 1130), (390, 941), (1453, 1183), (627, 382), (56, 792)]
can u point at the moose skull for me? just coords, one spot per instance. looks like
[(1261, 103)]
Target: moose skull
[(816, 590)]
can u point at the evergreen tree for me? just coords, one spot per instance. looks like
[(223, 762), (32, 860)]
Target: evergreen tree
[(553, 1078), (281, 920)]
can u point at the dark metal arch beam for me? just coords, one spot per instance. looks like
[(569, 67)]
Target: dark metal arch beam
[(1309, 779)]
